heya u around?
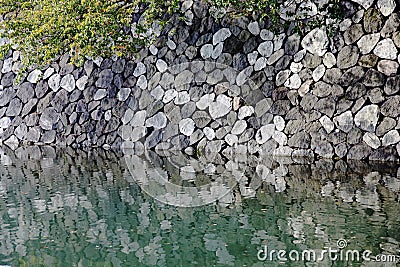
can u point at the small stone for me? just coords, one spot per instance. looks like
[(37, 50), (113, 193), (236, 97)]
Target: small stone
[(386, 49), (206, 51), (182, 98), (139, 70), (386, 6), (316, 41), (14, 108), (100, 94), (7, 65), (186, 126), (353, 33), (252, 57), (391, 138), (105, 78), (34, 76), (204, 101), (300, 140), (25, 92), (344, 121), (266, 48), (318, 73), (231, 139), (392, 85), (48, 118), (171, 44), (217, 51), (279, 123), (327, 123), (158, 121), (260, 64), (244, 75), (54, 82), (245, 111), (239, 127), (161, 65), (388, 67), (221, 35), (209, 133), (81, 82), (266, 35), (169, 95), (254, 28), (373, 21), (367, 118), (123, 94), (329, 60), (294, 82), (5, 122), (220, 107), (281, 77), (347, 57), (265, 133), (373, 78), (372, 140), (368, 42), (391, 107), (296, 67), (142, 82)]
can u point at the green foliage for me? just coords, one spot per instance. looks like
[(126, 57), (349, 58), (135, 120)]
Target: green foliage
[(44, 29)]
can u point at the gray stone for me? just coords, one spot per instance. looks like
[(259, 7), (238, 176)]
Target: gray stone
[(25, 92), (220, 107), (391, 106), (373, 21), (81, 82), (359, 152), (294, 82), (153, 139), (327, 123), (123, 94), (316, 41), (239, 127), (206, 51), (254, 28), (385, 125), (100, 94), (244, 75), (300, 140), (142, 82), (392, 85), (48, 118), (391, 138), (182, 98), (33, 135), (318, 73), (367, 118), (54, 82), (266, 35), (281, 77), (353, 33), (329, 60), (386, 49), (352, 76), (5, 122), (373, 78), (158, 121), (14, 108), (161, 65), (139, 70), (105, 79), (7, 79), (347, 57)]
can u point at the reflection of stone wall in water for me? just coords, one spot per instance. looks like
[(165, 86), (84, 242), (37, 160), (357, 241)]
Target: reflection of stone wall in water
[(84, 203), (317, 95)]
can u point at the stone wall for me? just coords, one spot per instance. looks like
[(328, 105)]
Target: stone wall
[(224, 85)]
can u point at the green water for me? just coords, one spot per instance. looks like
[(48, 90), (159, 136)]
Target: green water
[(64, 208)]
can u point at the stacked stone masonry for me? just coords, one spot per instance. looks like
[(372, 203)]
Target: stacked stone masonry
[(224, 86)]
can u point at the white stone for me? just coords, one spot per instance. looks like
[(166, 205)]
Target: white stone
[(139, 70), (186, 126), (391, 138), (54, 82), (279, 123), (204, 101), (329, 60), (209, 133), (81, 82), (34, 76), (254, 28), (7, 65), (367, 118), (372, 140), (142, 82), (296, 67), (217, 51), (171, 45), (169, 95), (153, 50), (265, 133), (282, 76), (100, 94), (368, 42), (182, 98), (157, 93), (138, 119), (344, 121), (388, 67), (294, 82), (299, 55), (252, 57), (239, 127), (231, 139), (68, 82), (316, 41), (305, 88), (386, 6), (206, 51), (221, 35), (318, 73), (260, 64), (158, 121), (245, 111), (107, 115), (386, 49), (48, 73), (364, 3), (266, 48), (244, 75), (5, 122), (327, 123), (161, 65), (220, 107), (280, 138), (123, 94)]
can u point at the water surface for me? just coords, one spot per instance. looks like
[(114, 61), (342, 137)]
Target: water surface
[(60, 207)]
